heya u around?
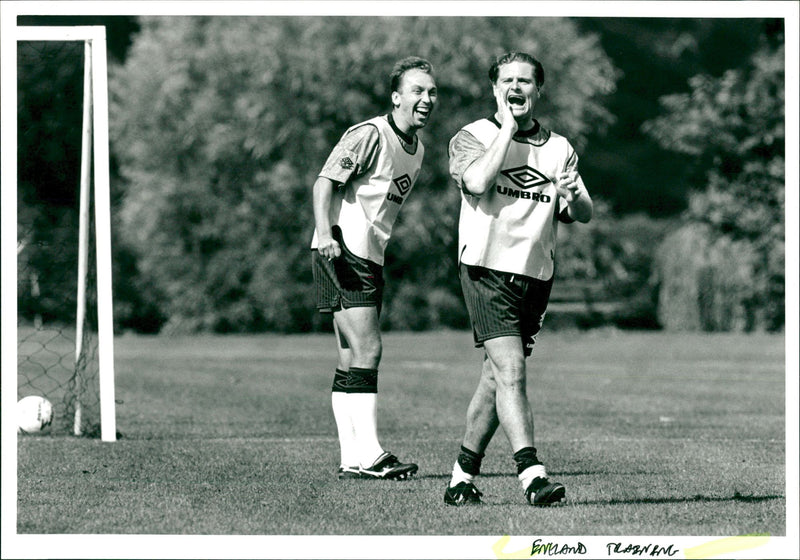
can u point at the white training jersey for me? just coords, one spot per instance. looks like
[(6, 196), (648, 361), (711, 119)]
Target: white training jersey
[(512, 227), (367, 205)]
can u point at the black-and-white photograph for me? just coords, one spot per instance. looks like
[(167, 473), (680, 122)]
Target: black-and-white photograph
[(400, 280)]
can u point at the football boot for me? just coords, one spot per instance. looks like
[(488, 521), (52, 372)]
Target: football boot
[(542, 492), (462, 494), (346, 472), (388, 467)]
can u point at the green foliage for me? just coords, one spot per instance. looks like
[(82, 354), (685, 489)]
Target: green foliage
[(50, 87), (611, 252), (706, 281), (657, 57), (214, 106), (49, 112), (611, 260), (223, 124), (734, 126)]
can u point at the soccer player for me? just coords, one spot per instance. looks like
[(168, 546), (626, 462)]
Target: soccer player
[(518, 180), (357, 197)]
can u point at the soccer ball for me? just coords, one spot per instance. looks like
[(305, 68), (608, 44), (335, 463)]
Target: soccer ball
[(34, 414)]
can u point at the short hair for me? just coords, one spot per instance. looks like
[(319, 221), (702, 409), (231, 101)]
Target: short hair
[(404, 65), (538, 70)]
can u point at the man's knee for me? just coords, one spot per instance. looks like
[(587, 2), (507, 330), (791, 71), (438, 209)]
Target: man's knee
[(506, 355), (371, 347), (487, 374), (360, 327), (366, 349), (509, 372)]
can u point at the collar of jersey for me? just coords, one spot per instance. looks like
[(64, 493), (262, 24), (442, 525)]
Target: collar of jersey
[(407, 138)]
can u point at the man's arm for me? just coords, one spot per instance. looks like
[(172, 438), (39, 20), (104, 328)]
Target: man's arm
[(569, 185), (323, 192), (352, 156), (579, 204), (480, 175)]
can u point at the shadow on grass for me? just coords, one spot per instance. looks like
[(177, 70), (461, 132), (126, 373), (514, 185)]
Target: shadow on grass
[(447, 476), (655, 501), (698, 498), (555, 473), (678, 500)]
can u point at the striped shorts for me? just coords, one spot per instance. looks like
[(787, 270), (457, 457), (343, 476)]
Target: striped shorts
[(504, 304), (346, 281)]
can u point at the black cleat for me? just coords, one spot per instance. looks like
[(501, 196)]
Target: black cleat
[(345, 473), (462, 494), (388, 467), (542, 492)]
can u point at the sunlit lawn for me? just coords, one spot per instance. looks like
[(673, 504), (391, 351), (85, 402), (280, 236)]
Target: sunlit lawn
[(652, 434)]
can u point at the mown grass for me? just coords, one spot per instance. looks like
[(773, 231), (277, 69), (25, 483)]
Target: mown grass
[(652, 434)]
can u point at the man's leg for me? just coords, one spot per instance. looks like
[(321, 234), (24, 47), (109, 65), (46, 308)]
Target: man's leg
[(342, 348), (348, 466), (361, 329), (507, 360), (514, 412), (359, 326), (482, 422)]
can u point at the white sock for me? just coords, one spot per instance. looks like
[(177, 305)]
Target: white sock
[(527, 476), (344, 424), (460, 476), (364, 414)]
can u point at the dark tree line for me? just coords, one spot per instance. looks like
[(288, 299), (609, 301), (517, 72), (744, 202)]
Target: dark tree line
[(219, 126)]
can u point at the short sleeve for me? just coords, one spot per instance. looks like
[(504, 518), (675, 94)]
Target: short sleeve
[(464, 149), (353, 154)]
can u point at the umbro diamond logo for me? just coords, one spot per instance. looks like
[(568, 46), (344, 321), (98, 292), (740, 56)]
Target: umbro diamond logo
[(403, 183), (346, 163), (525, 177)]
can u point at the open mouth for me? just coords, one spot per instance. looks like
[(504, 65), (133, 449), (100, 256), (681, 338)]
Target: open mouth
[(518, 100), (423, 112)]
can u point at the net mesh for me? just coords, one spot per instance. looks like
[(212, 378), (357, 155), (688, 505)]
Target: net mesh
[(50, 108)]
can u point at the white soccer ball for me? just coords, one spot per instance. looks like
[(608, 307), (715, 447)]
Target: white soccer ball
[(34, 414)]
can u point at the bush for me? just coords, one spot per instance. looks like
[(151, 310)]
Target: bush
[(418, 308), (725, 269), (708, 282), (223, 124)]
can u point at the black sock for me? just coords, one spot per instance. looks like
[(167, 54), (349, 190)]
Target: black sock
[(469, 461), (339, 381), (526, 457), (362, 380)]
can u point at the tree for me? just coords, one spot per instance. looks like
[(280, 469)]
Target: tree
[(734, 128), (223, 123), (49, 112), (656, 57)]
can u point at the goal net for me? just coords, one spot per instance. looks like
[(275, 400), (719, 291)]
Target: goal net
[(64, 317)]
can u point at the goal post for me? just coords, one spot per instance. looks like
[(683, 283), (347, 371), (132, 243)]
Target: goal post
[(94, 170)]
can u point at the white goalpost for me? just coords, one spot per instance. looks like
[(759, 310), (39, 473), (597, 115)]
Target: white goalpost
[(94, 169)]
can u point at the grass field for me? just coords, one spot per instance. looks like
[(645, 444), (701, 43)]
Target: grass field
[(651, 433)]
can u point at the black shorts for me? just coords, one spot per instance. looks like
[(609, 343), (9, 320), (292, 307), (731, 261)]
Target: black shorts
[(346, 281), (504, 304)]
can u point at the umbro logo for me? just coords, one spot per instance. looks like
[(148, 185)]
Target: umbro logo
[(346, 163), (525, 177), (403, 183)]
